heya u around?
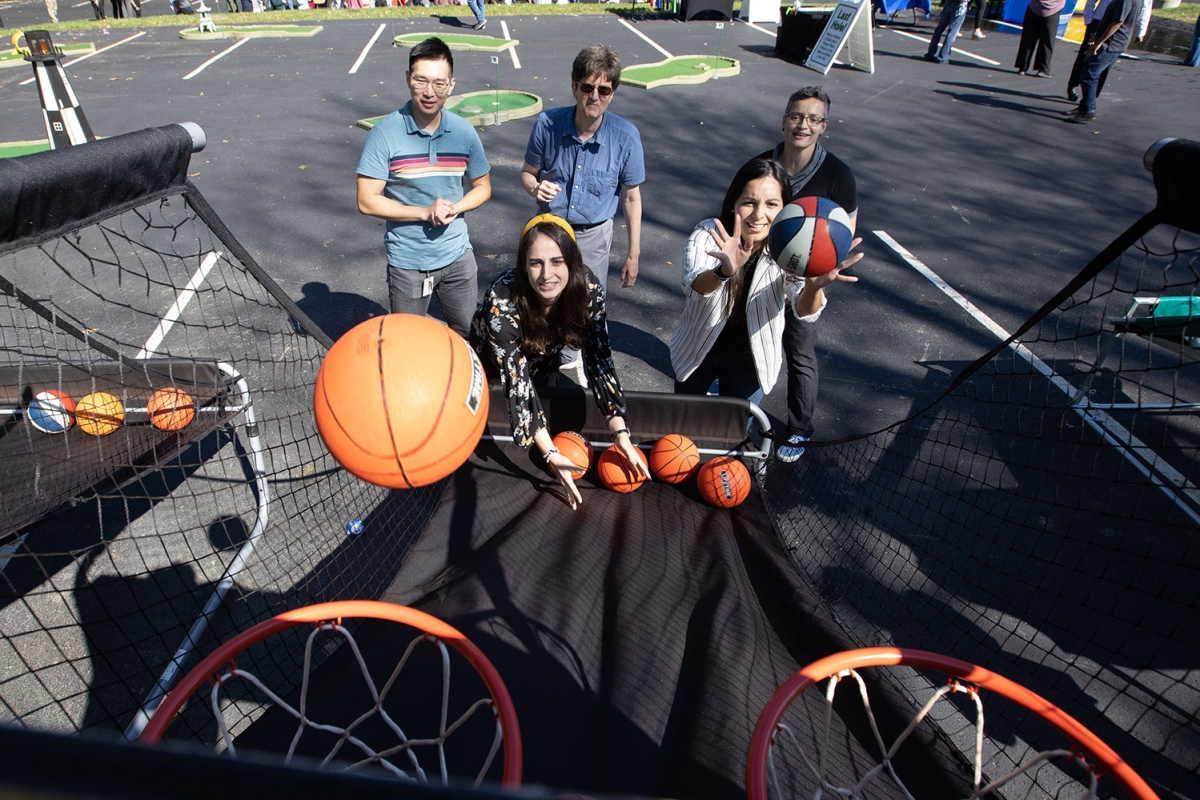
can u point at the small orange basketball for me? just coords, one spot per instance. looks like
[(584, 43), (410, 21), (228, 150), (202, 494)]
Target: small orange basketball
[(724, 482), (616, 474), (171, 409), (401, 400), (674, 458), (99, 414), (576, 447)]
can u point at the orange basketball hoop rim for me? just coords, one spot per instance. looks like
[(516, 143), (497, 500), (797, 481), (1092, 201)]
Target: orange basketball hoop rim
[(211, 667), (1104, 757)]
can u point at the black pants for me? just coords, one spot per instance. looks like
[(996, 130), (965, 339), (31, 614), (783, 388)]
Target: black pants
[(800, 356), (1037, 42)]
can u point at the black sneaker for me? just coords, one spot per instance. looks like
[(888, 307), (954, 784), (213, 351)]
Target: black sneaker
[(1072, 94), (1080, 118), (481, 24), (792, 449)]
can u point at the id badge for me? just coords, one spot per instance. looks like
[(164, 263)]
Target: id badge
[(427, 286)]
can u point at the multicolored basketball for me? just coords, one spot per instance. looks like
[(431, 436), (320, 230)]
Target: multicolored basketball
[(171, 409), (724, 482), (401, 401), (810, 236), (616, 474), (99, 413), (51, 411), (674, 458), (576, 447)]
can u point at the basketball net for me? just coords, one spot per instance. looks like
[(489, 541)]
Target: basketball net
[(404, 748)]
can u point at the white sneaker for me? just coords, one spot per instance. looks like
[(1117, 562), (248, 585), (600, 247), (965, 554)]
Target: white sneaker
[(978, 34), (787, 453), (575, 371)]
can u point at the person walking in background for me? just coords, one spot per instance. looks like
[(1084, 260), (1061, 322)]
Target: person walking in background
[(480, 13), (1193, 56), (411, 175), (1038, 32), (1116, 30), (52, 9), (980, 11), (951, 20), (1093, 10)]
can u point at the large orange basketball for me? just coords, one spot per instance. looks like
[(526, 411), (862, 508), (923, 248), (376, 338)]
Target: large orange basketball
[(576, 447), (171, 409), (99, 414), (616, 474), (724, 482), (674, 458), (401, 401)]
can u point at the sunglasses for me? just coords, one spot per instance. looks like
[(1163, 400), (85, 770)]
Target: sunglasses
[(588, 88)]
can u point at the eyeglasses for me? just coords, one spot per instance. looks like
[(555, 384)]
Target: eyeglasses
[(812, 119), (420, 82), (588, 88)]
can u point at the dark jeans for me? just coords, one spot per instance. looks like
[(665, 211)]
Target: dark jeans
[(1082, 56), (1089, 80), (1193, 56), (734, 373), (1037, 36), (800, 358)]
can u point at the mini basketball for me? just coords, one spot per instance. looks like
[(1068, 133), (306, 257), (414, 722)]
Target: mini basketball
[(616, 474), (99, 413), (576, 447), (674, 458), (724, 482), (401, 401), (52, 411), (810, 236), (171, 409)]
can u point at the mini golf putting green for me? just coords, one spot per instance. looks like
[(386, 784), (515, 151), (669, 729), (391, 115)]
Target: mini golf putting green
[(251, 32), (14, 149), (484, 108), (459, 41), (11, 58), (679, 70)]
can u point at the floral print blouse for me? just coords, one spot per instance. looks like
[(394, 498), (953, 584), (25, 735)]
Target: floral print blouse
[(496, 336)]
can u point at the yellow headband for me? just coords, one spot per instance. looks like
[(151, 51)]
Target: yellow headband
[(559, 221)]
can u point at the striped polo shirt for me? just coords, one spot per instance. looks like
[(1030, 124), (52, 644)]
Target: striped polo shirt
[(419, 168)]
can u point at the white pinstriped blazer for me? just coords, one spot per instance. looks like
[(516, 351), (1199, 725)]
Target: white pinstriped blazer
[(703, 316)]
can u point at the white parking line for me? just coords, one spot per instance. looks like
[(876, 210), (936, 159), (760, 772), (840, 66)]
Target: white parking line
[(181, 302), (363, 55), (647, 39), (760, 30), (214, 59), (1148, 462), (512, 51), (952, 49), (93, 53)]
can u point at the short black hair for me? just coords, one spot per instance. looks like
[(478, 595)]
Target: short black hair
[(597, 59), (431, 49), (808, 93)]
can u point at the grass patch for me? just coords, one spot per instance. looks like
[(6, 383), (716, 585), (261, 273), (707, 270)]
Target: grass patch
[(1184, 12)]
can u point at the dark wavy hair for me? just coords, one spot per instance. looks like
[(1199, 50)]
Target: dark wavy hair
[(565, 323), (752, 170)]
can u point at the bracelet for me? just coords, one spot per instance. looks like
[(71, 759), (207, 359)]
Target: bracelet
[(546, 455), (721, 276), (615, 434)]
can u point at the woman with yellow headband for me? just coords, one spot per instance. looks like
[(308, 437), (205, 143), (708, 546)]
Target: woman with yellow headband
[(549, 301)]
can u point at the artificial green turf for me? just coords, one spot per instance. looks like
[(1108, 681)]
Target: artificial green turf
[(488, 102), (14, 149), (674, 67), (9, 58)]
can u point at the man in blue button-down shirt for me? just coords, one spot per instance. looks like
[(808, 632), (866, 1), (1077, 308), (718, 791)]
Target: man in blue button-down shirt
[(582, 159)]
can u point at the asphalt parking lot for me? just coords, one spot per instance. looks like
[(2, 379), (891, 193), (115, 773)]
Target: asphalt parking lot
[(967, 166)]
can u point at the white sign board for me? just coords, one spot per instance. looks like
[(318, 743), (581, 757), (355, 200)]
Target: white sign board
[(848, 28)]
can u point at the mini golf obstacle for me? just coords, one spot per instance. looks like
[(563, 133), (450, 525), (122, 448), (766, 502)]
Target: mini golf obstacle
[(459, 41), (680, 70), (16, 56), (483, 107), (252, 32)]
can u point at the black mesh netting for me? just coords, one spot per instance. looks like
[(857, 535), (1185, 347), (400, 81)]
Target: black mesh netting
[(1039, 520)]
